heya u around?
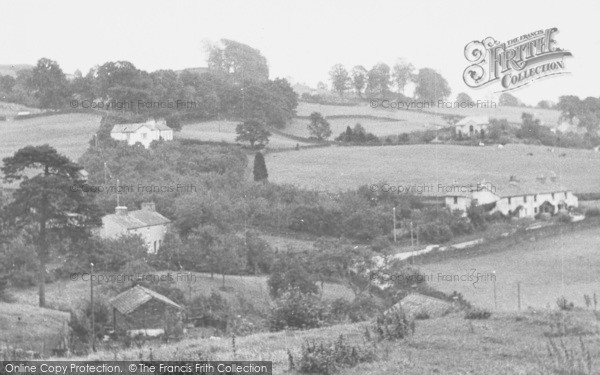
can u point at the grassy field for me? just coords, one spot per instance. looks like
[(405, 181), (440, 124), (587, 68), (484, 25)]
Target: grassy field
[(342, 168), (29, 327), (564, 265), (69, 133), (224, 131), (11, 109), (65, 294), (504, 344), (512, 114)]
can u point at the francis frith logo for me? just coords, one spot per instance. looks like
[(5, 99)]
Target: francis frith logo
[(514, 63)]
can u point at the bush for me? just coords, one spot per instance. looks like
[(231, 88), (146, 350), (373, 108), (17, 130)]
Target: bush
[(591, 212), (291, 272), (315, 220), (329, 357), (295, 309), (394, 325), (435, 232), (477, 313), (359, 310), (564, 305)]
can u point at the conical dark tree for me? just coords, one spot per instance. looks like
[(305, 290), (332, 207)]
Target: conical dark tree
[(349, 135), (49, 204), (260, 168)]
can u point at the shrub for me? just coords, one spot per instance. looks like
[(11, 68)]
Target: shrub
[(295, 309), (359, 310), (422, 315), (330, 357), (591, 212), (435, 232), (315, 220), (477, 313), (564, 305), (291, 272), (393, 325)]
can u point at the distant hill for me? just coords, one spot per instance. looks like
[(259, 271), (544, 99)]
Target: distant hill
[(12, 69)]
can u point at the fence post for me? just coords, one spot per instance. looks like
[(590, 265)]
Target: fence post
[(519, 294)]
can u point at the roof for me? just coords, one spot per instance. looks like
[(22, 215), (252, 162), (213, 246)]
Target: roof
[(469, 120), (138, 219), (517, 188), (415, 303), (131, 299), (131, 128)]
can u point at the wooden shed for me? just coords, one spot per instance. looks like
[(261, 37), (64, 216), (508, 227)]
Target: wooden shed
[(141, 308)]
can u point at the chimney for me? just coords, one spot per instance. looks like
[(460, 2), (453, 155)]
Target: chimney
[(148, 206), (513, 180), (121, 210)]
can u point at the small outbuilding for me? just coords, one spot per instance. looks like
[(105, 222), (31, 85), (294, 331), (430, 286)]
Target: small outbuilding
[(140, 308)]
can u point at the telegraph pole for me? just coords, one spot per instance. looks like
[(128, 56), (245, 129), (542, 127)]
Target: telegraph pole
[(92, 303), (394, 211), (495, 300)]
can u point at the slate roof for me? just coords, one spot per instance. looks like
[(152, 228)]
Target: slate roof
[(131, 299), (516, 189), (138, 219), (479, 120), (131, 128)]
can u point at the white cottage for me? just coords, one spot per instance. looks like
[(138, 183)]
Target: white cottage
[(143, 133), (472, 126), (518, 199), (148, 223)]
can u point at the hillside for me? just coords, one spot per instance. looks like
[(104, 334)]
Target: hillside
[(342, 168), (505, 344), (69, 133), (563, 265)]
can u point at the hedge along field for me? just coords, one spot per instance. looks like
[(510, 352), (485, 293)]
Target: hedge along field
[(224, 131), (342, 168), (512, 114), (567, 264), (379, 127)]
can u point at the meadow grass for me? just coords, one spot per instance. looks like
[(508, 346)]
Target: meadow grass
[(343, 168)]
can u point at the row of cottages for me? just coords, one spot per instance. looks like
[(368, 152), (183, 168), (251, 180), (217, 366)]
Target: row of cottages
[(472, 126), (146, 222), (144, 133), (516, 198)]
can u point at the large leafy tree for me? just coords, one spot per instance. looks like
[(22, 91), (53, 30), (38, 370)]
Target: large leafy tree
[(318, 126), (379, 79), (237, 61), (252, 132), (402, 74), (359, 79), (431, 86), (48, 84), (340, 79), (46, 204)]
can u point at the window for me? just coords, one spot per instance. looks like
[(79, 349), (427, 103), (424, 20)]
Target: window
[(535, 210), (455, 200), (535, 198), (525, 199), (509, 200), (552, 195), (155, 246)]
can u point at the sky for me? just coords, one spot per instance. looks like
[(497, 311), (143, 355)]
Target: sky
[(301, 39)]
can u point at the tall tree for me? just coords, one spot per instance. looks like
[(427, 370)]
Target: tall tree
[(46, 204), (260, 168), (359, 79), (508, 100), (238, 61), (431, 86), (318, 126), (402, 74), (49, 84), (340, 79), (463, 98), (379, 79), (252, 132)]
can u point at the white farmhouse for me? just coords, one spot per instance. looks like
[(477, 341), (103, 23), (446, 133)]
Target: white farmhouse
[(148, 223), (143, 133), (472, 126), (516, 199)]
